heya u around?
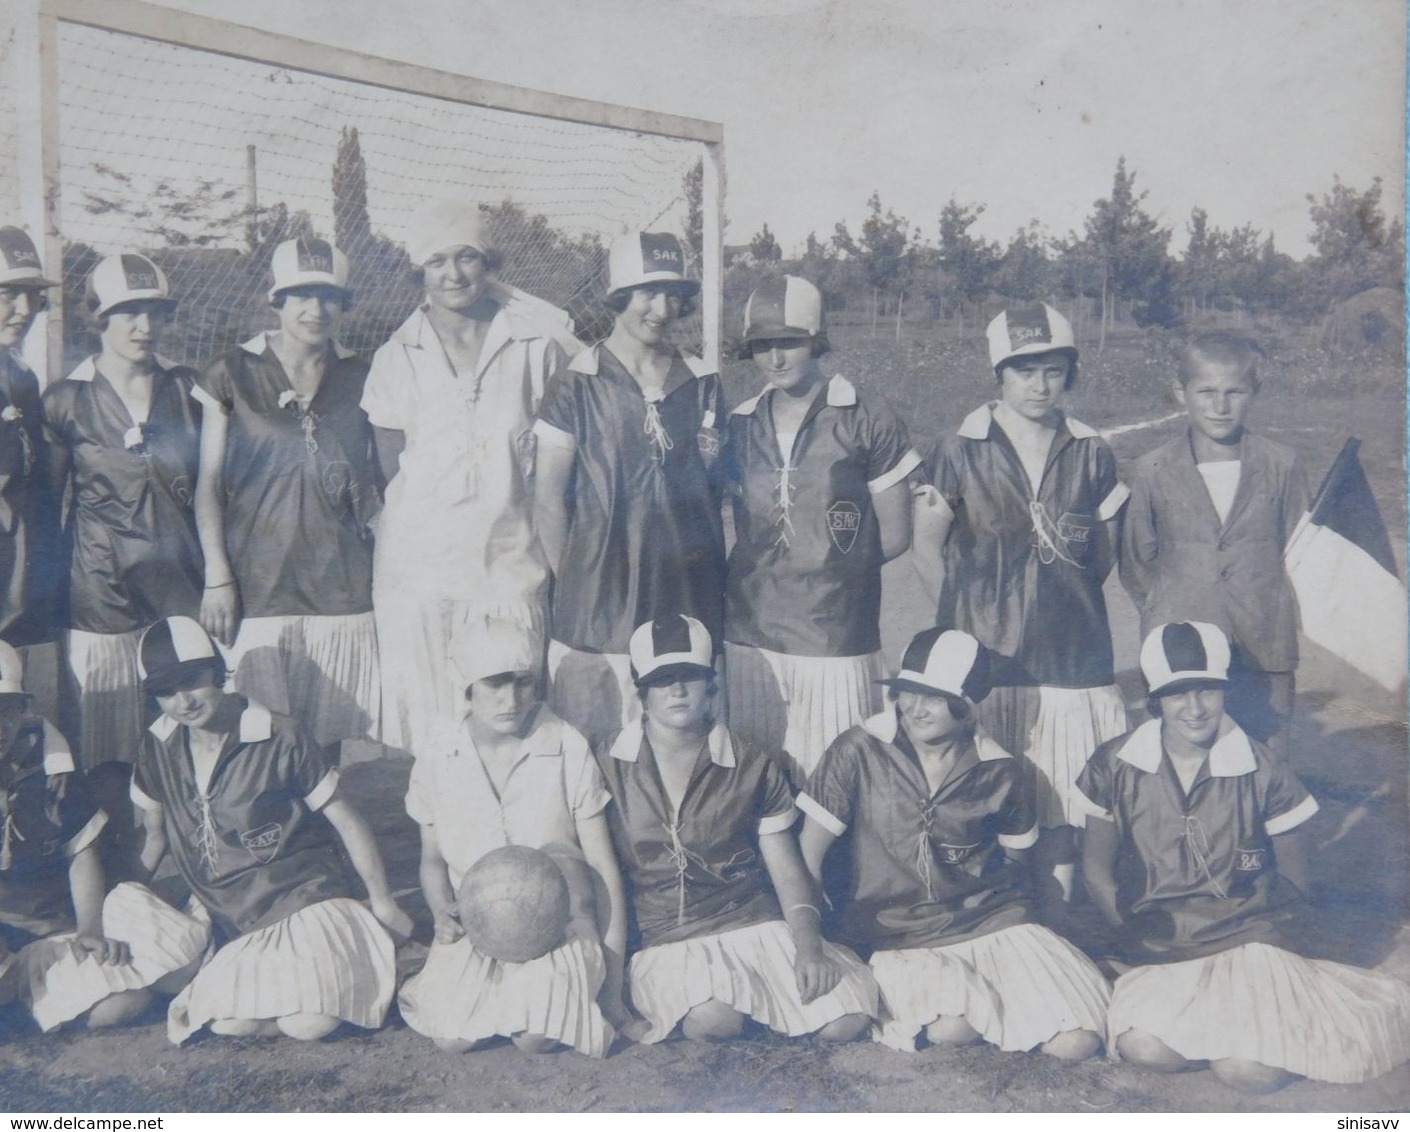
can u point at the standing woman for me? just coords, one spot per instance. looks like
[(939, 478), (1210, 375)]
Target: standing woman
[(288, 483), (626, 499), (820, 502), (1016, 536), (123, 431), (452, 398), (29, 520)]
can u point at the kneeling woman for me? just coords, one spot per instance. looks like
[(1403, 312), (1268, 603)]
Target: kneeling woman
[(1193, 857), (240, 797), (727, 917), (511, 773), (939, 821)]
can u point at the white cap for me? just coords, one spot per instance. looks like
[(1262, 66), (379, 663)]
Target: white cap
[(490, 647), (19, 261), (172, 647), (783, 307), (1033, 329), (308, 262), (450, 223), (1181, 653), (671, 648), (128, 278), (639, 258), (11, 671), (945, 662)]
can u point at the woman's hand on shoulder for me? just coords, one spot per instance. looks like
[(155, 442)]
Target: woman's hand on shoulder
[(220, 612)]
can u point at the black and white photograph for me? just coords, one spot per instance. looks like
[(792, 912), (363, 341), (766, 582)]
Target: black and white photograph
[(697, 556)]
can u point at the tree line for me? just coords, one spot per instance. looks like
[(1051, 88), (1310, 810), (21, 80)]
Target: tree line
[(1120, 263)]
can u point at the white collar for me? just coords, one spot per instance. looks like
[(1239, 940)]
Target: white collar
[(885, 726), (87, 369), (256, 724), (1230, 757), (976, 425), (627, 745), (260, 342), (587, 363), (841, 394)]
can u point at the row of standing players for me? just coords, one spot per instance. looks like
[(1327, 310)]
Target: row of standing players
[(625, 462)]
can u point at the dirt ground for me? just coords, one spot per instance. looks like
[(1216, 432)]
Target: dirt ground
[(1349, 745)]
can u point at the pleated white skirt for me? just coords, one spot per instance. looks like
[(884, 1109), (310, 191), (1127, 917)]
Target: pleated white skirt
[(799, 704), (58, 987), (415, 637), (323, 671), (1056, 730), (1312, 1017), (330, 958), (1017, 987), (749, 969), (464, 994), (111, 703)]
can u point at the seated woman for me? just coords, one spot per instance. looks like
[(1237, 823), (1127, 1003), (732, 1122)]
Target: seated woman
[(511, 773), (939, 819), (727, 917), (83, 954), (1192, 855), (248, 805)]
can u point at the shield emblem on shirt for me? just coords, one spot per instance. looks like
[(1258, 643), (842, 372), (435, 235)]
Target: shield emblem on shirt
[(263, 842), (844, 520)]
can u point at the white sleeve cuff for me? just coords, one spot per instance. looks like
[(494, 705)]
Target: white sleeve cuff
[(814, 809), (777, 823), (554, 436), (1020, 840), (143, 800), (1114, 502), (86, 836), (904, 467), (318, 797), (1292, 818), (208, 401)]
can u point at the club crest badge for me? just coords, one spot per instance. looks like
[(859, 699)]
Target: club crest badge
[(844, 520), (263, 843), (1249, 860)]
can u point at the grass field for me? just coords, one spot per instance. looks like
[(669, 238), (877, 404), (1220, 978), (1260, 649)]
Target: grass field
[(1349, 745)]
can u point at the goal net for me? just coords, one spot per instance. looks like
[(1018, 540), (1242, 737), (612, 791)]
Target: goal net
[(205, 161)]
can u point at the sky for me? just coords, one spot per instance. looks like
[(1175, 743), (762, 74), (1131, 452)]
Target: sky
[(1022, 106)]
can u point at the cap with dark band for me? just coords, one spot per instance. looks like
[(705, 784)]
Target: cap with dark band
[(1183, 654), (308, 262), (944, 662), (19, 260), (128, 278), (172, 650), (674, 647), (1032, 329), (639, 259)]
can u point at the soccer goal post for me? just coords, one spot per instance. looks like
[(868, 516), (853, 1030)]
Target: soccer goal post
[(130, 127)]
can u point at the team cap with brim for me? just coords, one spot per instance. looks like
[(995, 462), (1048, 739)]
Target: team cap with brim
[(783, 307), (446, 224), (11, 671), (309, 262), (1181, 655), (173, 649), (128, 278), (1032, 329), (641, 258), (944, 662), (19, 260), (491, 648), (674, 647)]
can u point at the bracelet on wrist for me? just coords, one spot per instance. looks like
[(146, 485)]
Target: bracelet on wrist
[(221, 585)]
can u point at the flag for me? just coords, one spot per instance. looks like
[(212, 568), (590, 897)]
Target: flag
[(1345, 577)]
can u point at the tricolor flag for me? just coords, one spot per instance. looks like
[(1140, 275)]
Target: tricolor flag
[(1347, 584)]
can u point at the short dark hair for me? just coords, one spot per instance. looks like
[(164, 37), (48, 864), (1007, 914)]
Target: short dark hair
[(166, 308), (1221, 348), (616, 301), (818, 342), (342, 294), (208, 670), (713, 689), (959, 709), (1069, 354)]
